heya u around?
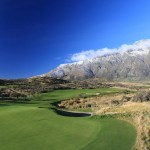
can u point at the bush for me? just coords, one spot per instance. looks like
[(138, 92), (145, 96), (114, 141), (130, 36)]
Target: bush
[(143, 96), (83, 95)]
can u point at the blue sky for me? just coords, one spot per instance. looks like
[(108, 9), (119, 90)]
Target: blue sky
[(38, 35)]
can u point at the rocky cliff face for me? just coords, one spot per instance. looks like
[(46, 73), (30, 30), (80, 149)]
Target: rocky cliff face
[(129, 63)]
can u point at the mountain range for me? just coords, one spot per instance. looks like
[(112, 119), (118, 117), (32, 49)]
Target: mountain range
[(128, 63)]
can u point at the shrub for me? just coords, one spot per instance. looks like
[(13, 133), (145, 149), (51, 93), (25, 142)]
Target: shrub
[(142, 96)]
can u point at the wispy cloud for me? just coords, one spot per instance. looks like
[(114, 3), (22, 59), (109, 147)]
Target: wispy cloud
[(88, 54)]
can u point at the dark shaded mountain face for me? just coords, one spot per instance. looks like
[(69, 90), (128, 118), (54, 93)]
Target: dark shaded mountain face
[(131, 64)]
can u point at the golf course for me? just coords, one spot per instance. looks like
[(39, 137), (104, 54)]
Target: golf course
[(35, 126)]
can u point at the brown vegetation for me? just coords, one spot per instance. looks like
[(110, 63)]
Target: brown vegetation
[(137, 105), (134, 108)]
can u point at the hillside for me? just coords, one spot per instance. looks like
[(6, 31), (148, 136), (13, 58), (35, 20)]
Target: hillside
[(129, 63)]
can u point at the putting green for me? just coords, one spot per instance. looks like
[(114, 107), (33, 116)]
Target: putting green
[(32, 128)]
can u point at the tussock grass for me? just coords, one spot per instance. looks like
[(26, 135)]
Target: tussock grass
[(136, 113), (142, 122)]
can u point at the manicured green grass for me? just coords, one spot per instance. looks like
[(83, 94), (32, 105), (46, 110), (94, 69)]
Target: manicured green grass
[(32, 128), (66, 94), (28, 127), (46, 98), (113, 135)]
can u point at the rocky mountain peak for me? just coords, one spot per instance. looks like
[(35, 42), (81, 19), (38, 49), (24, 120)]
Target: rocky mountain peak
[(128, 62)]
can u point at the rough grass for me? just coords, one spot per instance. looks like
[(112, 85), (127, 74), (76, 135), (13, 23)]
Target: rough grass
[(142, 122), (135, 112)]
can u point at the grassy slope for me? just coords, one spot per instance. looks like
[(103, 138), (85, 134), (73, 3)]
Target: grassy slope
[(114, 135), (24, 128), (33, 128), (47, 98)]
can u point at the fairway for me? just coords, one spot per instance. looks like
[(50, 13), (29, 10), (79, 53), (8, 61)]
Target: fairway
[(28, 127), (45, 99)]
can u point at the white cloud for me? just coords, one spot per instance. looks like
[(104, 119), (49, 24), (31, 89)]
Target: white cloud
[(88, 54)]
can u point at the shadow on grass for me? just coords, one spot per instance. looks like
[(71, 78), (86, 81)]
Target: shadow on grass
[(70, 114), (4, 105)]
